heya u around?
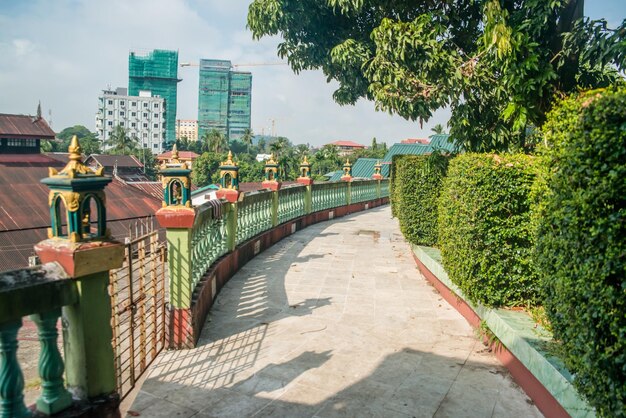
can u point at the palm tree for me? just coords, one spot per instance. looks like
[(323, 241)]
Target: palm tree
[(214, 141), (120, 142), (247, 138), (438, 129)]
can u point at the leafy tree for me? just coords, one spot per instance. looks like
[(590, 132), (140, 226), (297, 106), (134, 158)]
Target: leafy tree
[(79, 130), (185, 144), (438, 129), (499, 65), (214, 141), (88, 140), (205, 167), (120, 142), (247, 138)]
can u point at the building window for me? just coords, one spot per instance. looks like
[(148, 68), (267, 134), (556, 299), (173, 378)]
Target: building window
[(156, 136), (156, 105), (133, 104), (122, 123), (145, 135), (121, 113), (145, 104), (156, 125), (145, 115), (110, 102), (122, 103), (110, 112), (133, 124), (155, 146), (133, 114), (156, 115), (110, 123), (145, 125)]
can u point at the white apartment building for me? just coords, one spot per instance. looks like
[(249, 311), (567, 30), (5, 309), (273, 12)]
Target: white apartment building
[(142, 116), (187, 128)]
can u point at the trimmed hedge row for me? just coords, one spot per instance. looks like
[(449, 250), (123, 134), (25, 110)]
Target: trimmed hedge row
[(581, 242), (418, 184), (485, 234)]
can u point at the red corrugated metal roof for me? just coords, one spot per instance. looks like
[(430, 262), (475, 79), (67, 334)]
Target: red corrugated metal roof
[(415, 141), (24, 125), (347, 144), (183, 155), (27, 205), (32, 160), (105, 160)]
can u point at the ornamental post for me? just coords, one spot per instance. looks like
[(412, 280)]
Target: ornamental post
[(305, 179)]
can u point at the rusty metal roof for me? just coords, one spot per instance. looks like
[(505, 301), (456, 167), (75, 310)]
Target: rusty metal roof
[(182, 155), (27, 206), (105, 160), (24, 126), (29, 160)]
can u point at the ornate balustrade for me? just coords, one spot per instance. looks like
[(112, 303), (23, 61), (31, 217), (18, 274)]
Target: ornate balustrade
[(291, 203), (254, 215), (363, 190), (40, 293), (329, 195), (208, 240)]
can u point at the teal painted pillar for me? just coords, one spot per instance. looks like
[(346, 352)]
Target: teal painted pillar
[(349, 193), (378, 189), (11, 377), (308, 199), (54, 397)]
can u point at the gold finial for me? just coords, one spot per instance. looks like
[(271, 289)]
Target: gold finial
[(347, 161), (229, 159), (75, 164), (174, 158), (305, 160), (74, 149), (271, 160)]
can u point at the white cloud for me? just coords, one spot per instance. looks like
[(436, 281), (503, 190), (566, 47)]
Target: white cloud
[(65, 52)]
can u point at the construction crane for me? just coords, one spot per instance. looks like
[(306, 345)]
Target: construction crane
[(253, 64)]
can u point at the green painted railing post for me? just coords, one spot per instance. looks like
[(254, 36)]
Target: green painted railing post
[(11, 379), (348, 193), (274, 208), (378, 191), (180, 267), (54, 397), (308, 199), (90, 368), (231, 225)]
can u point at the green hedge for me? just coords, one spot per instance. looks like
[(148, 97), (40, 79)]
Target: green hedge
[(417, 186), (581, 242), (485, 233)]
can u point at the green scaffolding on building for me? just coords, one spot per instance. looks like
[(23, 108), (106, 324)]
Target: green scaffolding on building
[(156, 71), (224, 99)]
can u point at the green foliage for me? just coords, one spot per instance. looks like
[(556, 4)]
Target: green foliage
[(120, 142), (485, 234), (581, 245), (497, 65), (88, 141), (417, 182), (206, 168)]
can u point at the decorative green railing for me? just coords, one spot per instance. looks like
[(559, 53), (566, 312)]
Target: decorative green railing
[(39, 292), (362, 191), (208, 241), (384, 188), (328, 195), (291, 203), (254, 215)]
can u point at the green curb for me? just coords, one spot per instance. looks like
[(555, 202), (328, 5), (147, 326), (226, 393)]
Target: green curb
[(527, 341)]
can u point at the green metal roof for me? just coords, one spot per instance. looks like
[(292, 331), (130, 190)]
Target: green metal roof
[(442, 142), (362, 168)]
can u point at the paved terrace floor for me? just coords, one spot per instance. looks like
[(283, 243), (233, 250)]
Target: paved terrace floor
[(333, 321)]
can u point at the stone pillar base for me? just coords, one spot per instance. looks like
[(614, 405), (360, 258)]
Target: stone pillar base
[(231, 195), (271, 184)]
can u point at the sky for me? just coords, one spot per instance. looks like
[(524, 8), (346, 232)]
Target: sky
[(65, 52)]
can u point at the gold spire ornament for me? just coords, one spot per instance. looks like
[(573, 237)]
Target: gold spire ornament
[(75, 164)]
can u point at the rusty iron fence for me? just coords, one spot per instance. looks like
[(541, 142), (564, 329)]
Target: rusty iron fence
[(138, 300)]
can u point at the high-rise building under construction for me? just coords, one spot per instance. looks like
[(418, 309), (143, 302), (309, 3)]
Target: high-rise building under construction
[(156, 71), (224, 99)]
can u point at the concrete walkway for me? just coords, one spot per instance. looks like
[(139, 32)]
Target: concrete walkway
[(334, 321)]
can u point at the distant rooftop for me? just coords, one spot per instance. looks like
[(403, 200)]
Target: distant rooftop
[(25, 126), (347, 144)]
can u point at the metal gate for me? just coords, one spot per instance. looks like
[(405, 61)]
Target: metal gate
[(138, 301)]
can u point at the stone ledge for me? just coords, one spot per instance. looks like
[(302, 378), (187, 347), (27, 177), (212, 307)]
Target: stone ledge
[(525, 344)]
